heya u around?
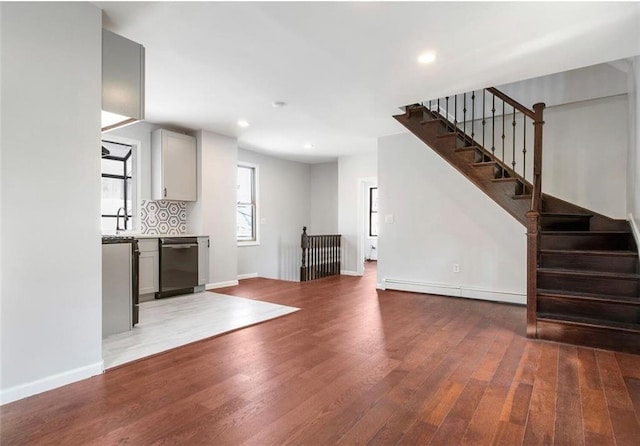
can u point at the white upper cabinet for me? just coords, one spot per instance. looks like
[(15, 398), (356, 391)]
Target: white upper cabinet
[(173, 166), (122, 80)]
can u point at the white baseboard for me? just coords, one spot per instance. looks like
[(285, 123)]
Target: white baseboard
[(453, 290), (380, 286), (634, 229), (345, 272), (247, 276), (213, 286), (50, 382)]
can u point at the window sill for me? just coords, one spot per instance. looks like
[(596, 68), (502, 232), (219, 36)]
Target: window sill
[(248, 243)]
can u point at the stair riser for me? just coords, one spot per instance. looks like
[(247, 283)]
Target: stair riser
[(564, 224), (609, 311), (586, 241), (598, 285), (469, 156), (589, 336), (615, 264)]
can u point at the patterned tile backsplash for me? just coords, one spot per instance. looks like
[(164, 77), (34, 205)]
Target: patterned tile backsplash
[(163, 217)]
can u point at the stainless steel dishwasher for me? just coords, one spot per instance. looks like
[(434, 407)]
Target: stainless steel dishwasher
[(178, 266)]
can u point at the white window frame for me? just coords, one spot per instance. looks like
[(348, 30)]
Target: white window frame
[(137, 175), (256, 195)]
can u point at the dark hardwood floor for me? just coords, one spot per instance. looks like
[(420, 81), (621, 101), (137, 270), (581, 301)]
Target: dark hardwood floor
[(355, 366)]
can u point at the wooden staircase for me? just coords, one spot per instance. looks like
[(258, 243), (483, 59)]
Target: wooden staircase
[(583, 267)]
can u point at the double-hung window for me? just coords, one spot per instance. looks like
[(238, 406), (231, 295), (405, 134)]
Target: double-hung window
[(247, 205)]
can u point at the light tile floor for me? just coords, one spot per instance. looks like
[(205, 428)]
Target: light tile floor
[(176, 321)]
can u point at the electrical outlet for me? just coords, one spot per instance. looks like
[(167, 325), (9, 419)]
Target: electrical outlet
[(456, 267)]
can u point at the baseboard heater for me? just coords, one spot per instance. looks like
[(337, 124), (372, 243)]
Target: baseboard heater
[(455, 291)]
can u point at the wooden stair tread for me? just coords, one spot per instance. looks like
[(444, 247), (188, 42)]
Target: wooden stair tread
[(607, 298), (505, 179), (564, 215), (447, 135), (521, 197), (589, 322), (467, 148), (484, 164), (580, 252), (583, 232), (585, 273)]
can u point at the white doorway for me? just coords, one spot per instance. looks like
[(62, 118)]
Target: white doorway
[(367, 244)]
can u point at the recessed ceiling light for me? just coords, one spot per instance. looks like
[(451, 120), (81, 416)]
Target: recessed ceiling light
[(308, 146), (278, 104), (427, 57), (243, 123)]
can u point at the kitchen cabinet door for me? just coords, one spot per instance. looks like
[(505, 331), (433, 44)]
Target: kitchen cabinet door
[(149, 267), (203, 260), (173, 166)]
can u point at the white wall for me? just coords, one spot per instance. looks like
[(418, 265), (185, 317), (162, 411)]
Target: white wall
[(214, 214), (51, 287), (441, 218), (585, 154), (284, 191), (597, 81), (324, 199), (352, 171)]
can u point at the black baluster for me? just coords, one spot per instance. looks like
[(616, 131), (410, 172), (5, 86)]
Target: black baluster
[(503, 135), (524, 146), (464, 114), (493, 127), (430, 107), (483, 118), (473, 113), (446, 105), (513, 154), (455, 112)]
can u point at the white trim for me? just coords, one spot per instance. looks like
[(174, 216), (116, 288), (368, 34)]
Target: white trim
[(50, 382), (247, 276), (634, 230), (213, 286), (454, 291), (380, 286), (345, 272)]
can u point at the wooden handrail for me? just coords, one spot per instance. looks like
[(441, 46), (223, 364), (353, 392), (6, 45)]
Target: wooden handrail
[(518, 106)]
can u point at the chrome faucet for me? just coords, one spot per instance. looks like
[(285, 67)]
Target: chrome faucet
[(124, 214)]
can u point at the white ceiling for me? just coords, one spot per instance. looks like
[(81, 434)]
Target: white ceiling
[(345, 68)]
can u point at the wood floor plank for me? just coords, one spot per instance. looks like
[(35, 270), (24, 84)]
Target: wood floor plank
[(355, 366), (540, 427), (595, 414)]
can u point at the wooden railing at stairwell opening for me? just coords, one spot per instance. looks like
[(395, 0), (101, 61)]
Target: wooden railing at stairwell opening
[(320, 255), (448, 110)]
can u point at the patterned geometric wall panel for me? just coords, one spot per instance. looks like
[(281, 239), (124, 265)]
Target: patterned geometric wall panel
[(163, 217)]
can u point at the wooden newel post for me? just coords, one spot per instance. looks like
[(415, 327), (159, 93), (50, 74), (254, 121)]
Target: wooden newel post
[(304, 245), (532, 272), (538, 123)]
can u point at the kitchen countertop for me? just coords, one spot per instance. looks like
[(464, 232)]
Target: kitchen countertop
[(144, 236)]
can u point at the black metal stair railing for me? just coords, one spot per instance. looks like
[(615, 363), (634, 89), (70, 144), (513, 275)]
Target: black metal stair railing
[(480, 116)]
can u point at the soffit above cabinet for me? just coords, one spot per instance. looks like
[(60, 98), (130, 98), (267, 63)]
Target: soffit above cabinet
[(123, 73)]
